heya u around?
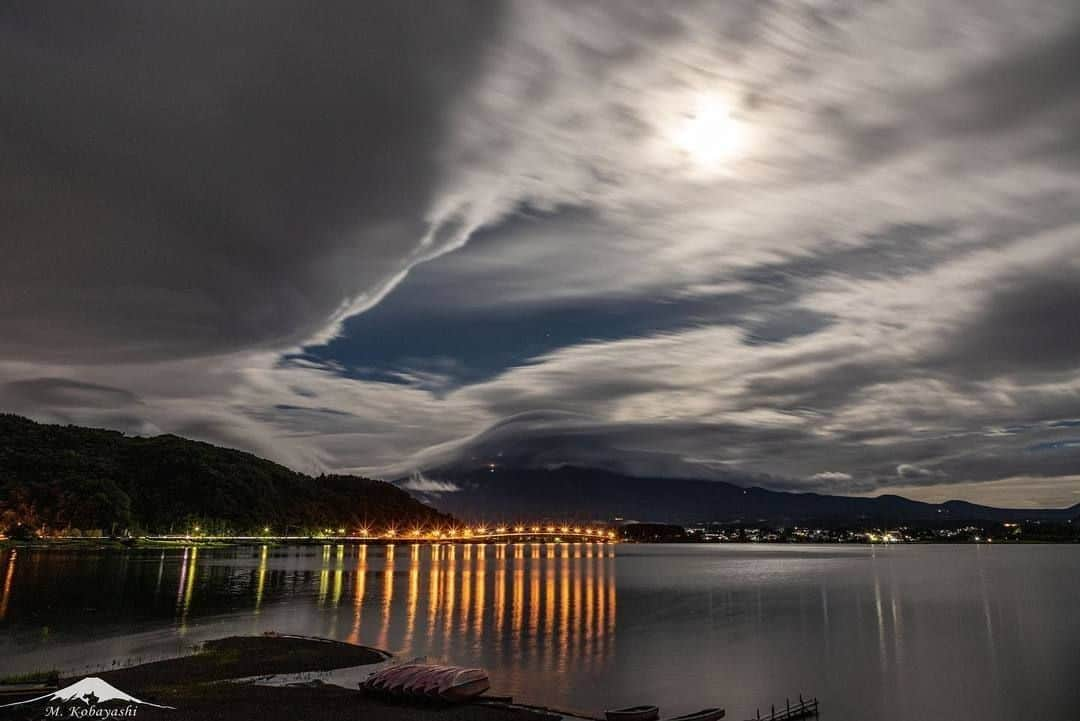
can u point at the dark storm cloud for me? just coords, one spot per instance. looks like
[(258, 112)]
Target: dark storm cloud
[(211, 176), (739, 454), (63, 392), (821, 389), (64, 401), (1030, 324), (548, 437)]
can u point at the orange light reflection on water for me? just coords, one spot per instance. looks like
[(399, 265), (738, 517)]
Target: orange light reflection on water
[(5, 595), (538, 604)]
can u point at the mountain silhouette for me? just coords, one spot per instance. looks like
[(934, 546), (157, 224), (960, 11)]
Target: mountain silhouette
[(579, 493), (90, 691)]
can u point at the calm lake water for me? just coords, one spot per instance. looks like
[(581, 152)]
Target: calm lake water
[(903, 632)]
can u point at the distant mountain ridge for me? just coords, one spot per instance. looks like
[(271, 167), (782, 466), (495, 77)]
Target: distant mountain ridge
[(571, 492), (70, 477)]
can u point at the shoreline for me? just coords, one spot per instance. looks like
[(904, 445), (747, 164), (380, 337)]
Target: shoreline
[(221, 681), (105, 544)]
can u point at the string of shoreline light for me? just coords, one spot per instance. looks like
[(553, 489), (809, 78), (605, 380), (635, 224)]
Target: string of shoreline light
[(447, 533)]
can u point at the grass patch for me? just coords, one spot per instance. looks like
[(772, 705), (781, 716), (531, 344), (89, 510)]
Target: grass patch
[(242, 656), (52, 677)]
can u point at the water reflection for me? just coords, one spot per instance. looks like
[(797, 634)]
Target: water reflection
[(186, 587), (260, 582), (548, 602), (358, 594), (9, 574), (552, 604), (875, 631)]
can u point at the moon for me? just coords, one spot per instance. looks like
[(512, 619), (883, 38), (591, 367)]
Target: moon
[(709, 135)]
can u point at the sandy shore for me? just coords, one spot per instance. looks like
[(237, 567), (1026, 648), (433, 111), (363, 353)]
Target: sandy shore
[(198, 686)]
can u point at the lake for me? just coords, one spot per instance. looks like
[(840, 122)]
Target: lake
[(883, 632)]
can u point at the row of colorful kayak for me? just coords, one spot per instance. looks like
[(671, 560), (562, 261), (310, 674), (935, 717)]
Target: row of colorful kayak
[(422, 680)]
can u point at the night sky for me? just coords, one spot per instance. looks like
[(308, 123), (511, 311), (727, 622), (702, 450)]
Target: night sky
[(827, 246)]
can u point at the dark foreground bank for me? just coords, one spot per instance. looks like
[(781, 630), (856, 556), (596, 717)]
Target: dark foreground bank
[(197, 687)]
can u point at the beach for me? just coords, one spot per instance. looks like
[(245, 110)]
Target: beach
[(233, 679)]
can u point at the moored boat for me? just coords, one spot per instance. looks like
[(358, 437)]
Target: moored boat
[(402, 682), (633, 713), (419, 683), (465, 684), (448, 683), (381, 680), (705, 714), (436, 680), (428, 682)]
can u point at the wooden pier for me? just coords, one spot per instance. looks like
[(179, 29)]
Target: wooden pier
[(804, 708)]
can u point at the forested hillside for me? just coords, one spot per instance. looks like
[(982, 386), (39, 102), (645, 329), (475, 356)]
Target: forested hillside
[(67, 478)]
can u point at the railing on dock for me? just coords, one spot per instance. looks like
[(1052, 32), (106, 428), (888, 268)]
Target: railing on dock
[(805, 708)]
